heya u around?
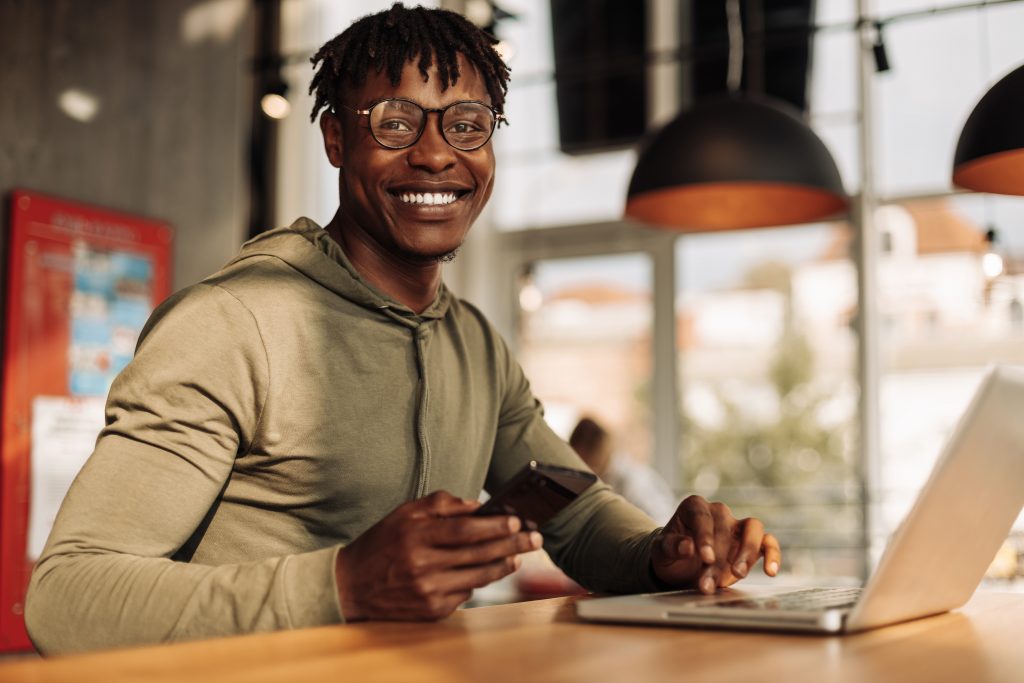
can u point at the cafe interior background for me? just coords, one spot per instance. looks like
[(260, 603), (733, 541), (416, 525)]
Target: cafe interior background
[(807, 374)]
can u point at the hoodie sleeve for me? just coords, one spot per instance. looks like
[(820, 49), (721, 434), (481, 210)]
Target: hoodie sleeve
[(176, 418), (600, 540)]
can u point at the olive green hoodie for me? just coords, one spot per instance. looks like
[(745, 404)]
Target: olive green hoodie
[(273, 413)]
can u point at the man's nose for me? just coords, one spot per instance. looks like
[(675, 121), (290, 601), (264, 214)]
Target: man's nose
[(431, 151)]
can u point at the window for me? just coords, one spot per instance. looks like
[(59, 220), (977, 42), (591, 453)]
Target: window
[(952, 315), (941, 66), (767, 385), (540, 186), (766, 321), (585, 343)]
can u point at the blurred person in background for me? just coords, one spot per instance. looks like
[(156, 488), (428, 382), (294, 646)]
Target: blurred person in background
[(302, 437), (639, 484)]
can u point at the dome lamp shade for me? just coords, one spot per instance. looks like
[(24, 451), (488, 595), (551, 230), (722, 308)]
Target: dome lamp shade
[(990, 154), (733, 162)]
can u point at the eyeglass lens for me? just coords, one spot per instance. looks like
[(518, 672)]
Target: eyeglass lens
[(398, 123)]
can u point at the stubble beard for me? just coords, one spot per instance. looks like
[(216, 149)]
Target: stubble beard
[(449, 257), (420, 257)]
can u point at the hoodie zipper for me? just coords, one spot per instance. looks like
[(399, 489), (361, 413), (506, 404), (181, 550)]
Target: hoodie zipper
[(423, 475)]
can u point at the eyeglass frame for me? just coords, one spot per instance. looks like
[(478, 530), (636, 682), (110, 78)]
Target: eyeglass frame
[(499, 118)]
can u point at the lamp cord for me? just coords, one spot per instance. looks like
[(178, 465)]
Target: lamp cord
[(986, 75), (735, 25)]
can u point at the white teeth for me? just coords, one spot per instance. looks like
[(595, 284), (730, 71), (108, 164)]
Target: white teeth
[(428, 198)]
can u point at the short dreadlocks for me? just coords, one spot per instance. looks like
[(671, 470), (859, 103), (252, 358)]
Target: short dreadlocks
[(386, 41)]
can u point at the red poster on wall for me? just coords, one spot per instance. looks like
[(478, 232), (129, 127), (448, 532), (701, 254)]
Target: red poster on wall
[(81, 282)]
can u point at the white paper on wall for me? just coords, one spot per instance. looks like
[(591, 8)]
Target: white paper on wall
[(64, 432)]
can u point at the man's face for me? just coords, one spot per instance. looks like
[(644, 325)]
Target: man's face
[(376, 182)]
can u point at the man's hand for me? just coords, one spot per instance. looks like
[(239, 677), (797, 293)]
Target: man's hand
[(704, 546), (425, 558)]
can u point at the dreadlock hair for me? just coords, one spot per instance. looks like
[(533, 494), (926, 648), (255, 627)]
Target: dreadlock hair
[(386, 41)]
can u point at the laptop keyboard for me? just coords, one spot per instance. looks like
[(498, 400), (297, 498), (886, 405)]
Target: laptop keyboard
[(805, 600)]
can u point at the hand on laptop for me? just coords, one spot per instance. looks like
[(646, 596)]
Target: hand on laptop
[(704, 546), (425, 558)]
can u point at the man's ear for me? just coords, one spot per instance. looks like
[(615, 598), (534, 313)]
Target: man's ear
[(330, 126)]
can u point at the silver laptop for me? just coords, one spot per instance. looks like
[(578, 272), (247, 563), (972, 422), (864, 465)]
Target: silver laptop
[(933, 563)]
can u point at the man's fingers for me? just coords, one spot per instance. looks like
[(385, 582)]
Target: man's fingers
[(772, 555), (724, 533), (467, 578), (749, 549), (487, 552), (467, 530), (676, 547), (708, 581), (698, 519)]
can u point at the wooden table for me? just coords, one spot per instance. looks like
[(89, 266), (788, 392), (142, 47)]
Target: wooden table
[(543, 641)]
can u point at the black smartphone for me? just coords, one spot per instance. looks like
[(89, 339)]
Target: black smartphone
[(537, 493)]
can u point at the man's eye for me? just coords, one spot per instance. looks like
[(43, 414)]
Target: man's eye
[(463, 127), (395, 125)]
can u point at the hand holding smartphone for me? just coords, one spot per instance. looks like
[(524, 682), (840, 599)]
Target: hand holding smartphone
[(537, 493)]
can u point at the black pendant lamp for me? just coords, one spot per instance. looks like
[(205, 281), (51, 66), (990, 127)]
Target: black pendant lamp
[(738, 161), (990, 154), (735, 162)]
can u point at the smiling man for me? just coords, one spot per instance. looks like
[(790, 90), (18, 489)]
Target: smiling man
[(301, 438), (417, 168)]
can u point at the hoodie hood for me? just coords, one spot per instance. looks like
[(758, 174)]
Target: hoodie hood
[(307, 248)]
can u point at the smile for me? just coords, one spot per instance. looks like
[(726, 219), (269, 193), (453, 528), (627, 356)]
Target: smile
[(428, 198)]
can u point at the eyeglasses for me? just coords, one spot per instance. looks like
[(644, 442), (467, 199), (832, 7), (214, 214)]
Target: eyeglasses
[(397, 123)]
